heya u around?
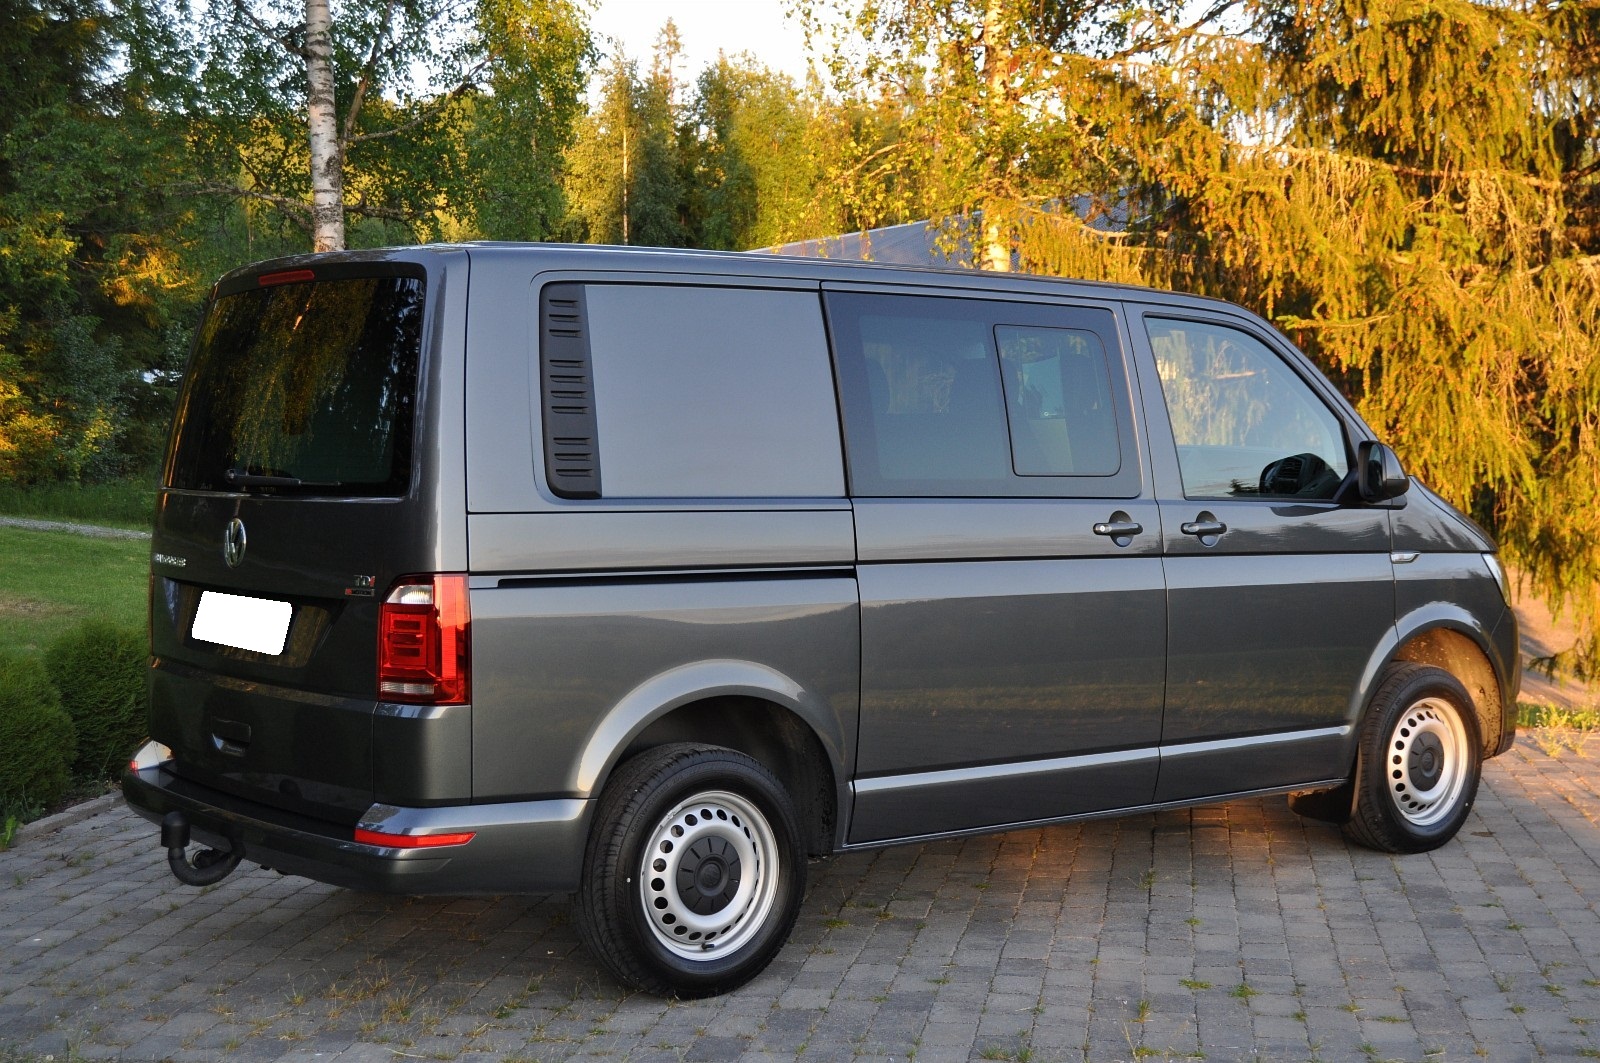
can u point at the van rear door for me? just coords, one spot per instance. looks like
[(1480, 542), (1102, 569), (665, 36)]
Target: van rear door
[(291, 502)]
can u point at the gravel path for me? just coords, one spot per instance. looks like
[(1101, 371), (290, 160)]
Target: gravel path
[(96, 531)]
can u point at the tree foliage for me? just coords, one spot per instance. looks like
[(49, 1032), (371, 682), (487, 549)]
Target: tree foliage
[(88, 288), (432, 102), (625, 183), (1418, 207), (751, 170), (1409, 187), (516, 128), (728, 165)]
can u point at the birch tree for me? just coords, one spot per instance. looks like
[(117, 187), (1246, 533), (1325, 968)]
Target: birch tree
[(325, 114)]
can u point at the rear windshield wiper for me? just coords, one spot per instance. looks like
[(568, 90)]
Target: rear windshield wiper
[(236, 478)]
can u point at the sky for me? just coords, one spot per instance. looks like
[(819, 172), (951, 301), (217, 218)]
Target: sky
[(704, 27)]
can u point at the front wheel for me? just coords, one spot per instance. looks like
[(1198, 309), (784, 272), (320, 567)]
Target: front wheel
[(694, 872), (1420, 760)]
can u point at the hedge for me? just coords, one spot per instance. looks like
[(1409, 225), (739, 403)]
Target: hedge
[(37, 739), (99, 671)]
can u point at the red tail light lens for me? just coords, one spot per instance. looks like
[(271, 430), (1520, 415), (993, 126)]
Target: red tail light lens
[(423, 629)]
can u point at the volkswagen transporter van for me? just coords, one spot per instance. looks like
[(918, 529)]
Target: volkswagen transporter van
[(651, 575)]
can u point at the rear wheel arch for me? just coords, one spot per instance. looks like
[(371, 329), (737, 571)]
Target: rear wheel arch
[(694, 872), (770, 734)]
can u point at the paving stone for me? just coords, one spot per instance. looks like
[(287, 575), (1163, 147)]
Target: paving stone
[(1086, 942)]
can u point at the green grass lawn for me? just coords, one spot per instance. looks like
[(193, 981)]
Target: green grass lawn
[(123, 504), (51, 580)]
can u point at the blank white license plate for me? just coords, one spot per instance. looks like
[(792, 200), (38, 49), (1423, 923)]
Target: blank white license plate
[(244, 623)]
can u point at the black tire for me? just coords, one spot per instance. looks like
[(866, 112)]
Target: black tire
[(1418, 763), (654, 848)]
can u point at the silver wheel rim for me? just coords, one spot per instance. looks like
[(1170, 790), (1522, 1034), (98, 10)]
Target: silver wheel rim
[(709, 875), (1426, 762)]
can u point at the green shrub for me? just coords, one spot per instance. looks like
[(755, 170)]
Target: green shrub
[(37, 739), (99, 672)]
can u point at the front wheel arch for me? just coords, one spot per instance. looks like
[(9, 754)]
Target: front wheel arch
[(1461, 655)]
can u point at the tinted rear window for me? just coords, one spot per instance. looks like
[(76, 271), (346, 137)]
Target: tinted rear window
[(312, 382)]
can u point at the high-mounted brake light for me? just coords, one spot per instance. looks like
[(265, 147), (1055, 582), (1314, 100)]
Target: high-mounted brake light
[(411, 841), (423, 630), (288, 276)]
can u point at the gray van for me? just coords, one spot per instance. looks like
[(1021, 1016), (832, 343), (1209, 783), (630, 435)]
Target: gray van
[(651, 575)]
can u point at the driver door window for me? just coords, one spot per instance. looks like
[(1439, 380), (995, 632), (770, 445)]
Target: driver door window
[(1245, 424)]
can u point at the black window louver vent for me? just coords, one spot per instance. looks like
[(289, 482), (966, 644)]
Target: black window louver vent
[(566, 381)]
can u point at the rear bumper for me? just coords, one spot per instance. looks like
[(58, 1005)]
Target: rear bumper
[(517, 847)]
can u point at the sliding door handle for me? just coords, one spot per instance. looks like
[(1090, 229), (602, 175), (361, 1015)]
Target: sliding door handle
[(1119, 529), (1203, 527)]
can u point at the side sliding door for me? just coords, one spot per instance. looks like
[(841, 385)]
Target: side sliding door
[(1013, 611)]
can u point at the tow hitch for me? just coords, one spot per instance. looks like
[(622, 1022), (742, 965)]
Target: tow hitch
[(207, 866)]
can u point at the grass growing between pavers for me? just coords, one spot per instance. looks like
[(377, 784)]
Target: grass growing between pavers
[(49, 581), (1558, 718), (1557, 729)]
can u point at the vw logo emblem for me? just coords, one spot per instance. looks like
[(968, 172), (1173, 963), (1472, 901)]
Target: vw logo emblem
[(233, 543)]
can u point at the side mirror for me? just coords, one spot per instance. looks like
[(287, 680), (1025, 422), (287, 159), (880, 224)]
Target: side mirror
[(1380, 475)]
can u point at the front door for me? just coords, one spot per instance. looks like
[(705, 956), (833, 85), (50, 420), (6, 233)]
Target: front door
[(1278, 578), (1012, 601)]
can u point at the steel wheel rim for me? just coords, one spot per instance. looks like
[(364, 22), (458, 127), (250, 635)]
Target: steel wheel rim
[(1426, 763), (708, 877)]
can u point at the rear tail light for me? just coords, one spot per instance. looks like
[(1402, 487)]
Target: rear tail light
[(423, 629)]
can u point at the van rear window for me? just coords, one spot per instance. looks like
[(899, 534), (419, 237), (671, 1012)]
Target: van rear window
[(303, 388)]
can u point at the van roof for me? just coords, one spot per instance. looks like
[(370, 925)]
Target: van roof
[(746, 264)]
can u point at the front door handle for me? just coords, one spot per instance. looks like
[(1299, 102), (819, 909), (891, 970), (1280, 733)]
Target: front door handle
[(1203, 527)]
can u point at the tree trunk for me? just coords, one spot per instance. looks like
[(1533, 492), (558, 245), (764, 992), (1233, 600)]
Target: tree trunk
[(996, 248), (327, 154)]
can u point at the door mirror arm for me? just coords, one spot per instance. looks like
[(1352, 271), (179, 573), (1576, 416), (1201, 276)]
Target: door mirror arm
[(1379, 475)]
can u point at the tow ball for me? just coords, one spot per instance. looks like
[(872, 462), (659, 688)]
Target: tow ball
[(205, 867)]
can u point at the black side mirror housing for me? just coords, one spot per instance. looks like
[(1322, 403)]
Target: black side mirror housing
[(1380, 476)]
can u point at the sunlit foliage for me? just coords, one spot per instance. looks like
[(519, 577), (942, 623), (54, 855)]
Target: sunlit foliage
[(1408, 187), (89, 283)]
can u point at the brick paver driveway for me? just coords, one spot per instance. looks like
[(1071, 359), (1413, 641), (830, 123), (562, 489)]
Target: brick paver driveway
[(1229, 932)]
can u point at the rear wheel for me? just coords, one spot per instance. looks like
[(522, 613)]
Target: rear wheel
[(694, 871), (1420, 759)]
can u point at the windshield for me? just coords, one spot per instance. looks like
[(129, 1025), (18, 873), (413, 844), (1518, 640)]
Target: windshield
[(303, 388)]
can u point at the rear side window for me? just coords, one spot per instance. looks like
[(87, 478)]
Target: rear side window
[(303, 388), (697, 392), (953, 397), (1058, 401)]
